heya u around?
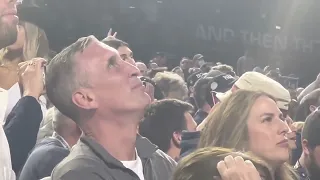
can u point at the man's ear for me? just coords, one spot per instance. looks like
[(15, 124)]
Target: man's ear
[(84, 99), (312, 108), (305, 147), (177, 136)]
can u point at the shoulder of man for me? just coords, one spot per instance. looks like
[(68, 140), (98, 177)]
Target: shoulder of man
[(162, 162), (79, 168), (80, 161)]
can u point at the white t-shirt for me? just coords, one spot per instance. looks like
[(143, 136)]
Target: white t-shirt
[(135, 166), (6, 172)]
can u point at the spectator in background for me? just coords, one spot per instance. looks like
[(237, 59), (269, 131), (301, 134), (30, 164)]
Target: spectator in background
[(154, 71), (156, 94), (194, 70), (172, 85), (246, 63), (225, 69), (122, 47), (160, 59), (205, 98), (198, 60), (205, 68), (258, 69), (185, 65), (143, 68), (107, 102), (31, 42), (308, 166), (205, 90), (127, 55), (178, 71), (307, 105), (260, 128), (254, 81), (51, 151), (202, 164), (191, 81), (164, 122)]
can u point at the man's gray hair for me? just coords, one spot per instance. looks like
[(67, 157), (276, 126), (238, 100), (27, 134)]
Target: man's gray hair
[(61, 78)]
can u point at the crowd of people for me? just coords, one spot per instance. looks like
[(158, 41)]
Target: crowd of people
[(91, 112)]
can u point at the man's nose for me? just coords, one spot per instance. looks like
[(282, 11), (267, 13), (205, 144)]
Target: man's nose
[(132, 69)]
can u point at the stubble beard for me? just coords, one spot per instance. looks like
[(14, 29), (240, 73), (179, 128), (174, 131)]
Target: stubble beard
[(8, 34)]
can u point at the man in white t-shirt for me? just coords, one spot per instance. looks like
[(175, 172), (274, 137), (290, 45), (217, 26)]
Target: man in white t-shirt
[(90, 83)]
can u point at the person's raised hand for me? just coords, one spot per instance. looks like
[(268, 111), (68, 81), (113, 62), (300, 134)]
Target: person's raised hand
[(318, 78), (32, 77), (110, 35), (237, 169)]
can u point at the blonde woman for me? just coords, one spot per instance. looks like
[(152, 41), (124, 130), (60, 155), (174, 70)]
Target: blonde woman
[(251, 121), (31, 42), (203, 164)]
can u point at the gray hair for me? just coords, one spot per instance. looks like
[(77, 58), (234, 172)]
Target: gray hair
[(61, 79)]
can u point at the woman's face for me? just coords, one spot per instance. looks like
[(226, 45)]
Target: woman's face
[(267, 130), (20, 39)]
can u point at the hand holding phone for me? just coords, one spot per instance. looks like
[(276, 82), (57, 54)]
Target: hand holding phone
[(32, 77)]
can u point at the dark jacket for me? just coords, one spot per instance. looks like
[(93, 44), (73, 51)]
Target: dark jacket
[(45, 156), (200, 116), (296, 153), (89, 160), (21, 129), (189, 143), (303, 175)]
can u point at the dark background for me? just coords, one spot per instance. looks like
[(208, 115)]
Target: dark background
[(170, 26)]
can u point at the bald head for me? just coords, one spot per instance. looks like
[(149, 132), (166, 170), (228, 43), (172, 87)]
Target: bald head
[(142, 67)]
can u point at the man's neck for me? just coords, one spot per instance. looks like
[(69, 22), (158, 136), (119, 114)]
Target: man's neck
[(71, 139), (174, 153), (302, 162), (118, 137)]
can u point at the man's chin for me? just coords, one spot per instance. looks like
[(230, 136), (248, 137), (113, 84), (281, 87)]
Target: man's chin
[(8, 35)]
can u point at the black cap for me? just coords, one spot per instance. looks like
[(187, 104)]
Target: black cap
[(221, 83), (193, 78)]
